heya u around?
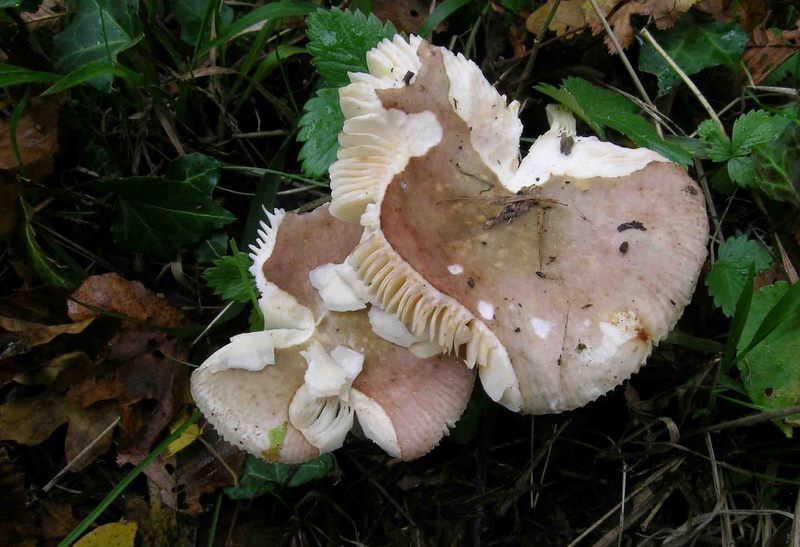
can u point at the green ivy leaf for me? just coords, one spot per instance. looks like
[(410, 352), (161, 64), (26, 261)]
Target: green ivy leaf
[(189, 14), (339, 41), (225, 277), (100, 31), (694, 46), (727, 278), (260, 477), (770, 371), (320, 126), (198, 170), (601, 108), (157, 216)]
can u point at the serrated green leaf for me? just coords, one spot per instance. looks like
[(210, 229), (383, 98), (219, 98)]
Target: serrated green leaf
[(602, 108), (694, 46), (717, 143), (158, 216), (728, 276), (15, 75), (95, 34), (339, 41), (197, 170), (226, 280), (777, 165), (742, 171), (770, 371), (189, 14), (320, 126), (751, 129), (260, 477)]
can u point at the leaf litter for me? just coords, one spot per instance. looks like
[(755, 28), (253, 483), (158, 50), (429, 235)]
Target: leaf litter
[(665, 457)]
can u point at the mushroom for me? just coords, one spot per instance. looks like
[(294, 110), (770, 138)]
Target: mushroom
[(556, 275), (293, 391)]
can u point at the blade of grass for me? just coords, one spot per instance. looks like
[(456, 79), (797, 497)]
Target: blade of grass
[(258, 15), (261, 171), (779, 313), (252, 54), (14, 75), (16, 114), (739, 319), (126, 480), (85, 73), (442, 12), (210, 4)]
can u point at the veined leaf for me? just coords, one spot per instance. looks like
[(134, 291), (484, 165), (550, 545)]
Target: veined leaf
[(260, 477), (770, 371), (693, 45), (320, 126), (189, 14), (777, 165), (230, 278), (95, 34), (157, 216), (727, 278), (339, 41), (197, 170)]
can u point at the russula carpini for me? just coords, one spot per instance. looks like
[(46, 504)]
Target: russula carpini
[(556, 274), (325, 358)]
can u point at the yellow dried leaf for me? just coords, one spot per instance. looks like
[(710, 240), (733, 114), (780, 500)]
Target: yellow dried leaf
[(568, 16), (189, 436), (116, 534), (36, 334)]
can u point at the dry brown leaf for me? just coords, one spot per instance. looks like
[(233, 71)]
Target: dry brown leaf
[(767, 50), (16, 523), (37, 139), (407, 15), (569, 16), (200, 470), (32, 421), (48, 15), (130, 298), (56, 519), (22, 335), (619, 12), (10, 191)]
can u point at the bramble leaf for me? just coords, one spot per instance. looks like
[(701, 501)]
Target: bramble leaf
[(319, 132), (751, 129), (260, 477), (601, 108), (339, 41), (717, 143), (694, 46), (225, 277), (727, 278)]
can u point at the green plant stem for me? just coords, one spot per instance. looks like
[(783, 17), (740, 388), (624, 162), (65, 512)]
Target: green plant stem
[(537, 45), (126, 480)]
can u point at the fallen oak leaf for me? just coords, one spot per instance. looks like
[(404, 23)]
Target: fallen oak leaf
[(768, 49), (28, 334), (16, 523)]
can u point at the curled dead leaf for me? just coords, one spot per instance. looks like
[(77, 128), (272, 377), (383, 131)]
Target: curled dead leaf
[(37, 139), (767, 50), (129, 298), (23, 335), (569, 16)]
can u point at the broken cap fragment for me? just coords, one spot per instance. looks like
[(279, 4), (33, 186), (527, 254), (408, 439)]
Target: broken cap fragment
[(556, 275), (295, 390)]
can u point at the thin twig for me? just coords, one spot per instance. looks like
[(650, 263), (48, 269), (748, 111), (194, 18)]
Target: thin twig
[(47, 487), (636, 81), (679, 71), (752, 419), (537, 45)]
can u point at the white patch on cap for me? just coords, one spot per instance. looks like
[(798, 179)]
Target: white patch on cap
[(455, 269), (486, 310), (622, 327), (335, 289), (541, 327)]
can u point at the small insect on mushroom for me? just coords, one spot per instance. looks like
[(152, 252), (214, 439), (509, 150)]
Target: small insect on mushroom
[(430, 169), (327, 357)]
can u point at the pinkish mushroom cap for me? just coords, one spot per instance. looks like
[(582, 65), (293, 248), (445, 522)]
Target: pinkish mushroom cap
[(556, 275), (326, 358)]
